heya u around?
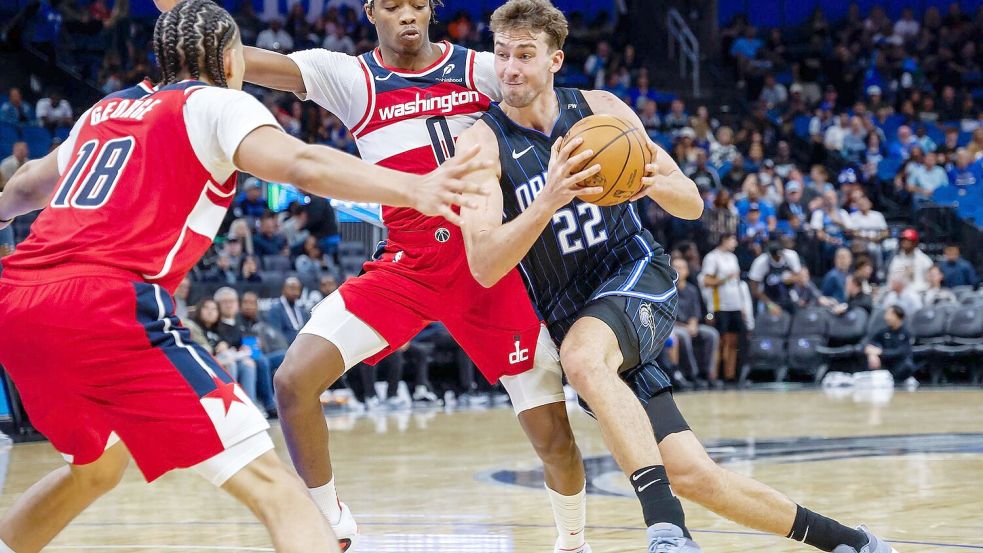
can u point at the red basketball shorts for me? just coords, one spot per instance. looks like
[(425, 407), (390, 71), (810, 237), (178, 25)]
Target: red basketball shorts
[(423, 276), (96, 353)]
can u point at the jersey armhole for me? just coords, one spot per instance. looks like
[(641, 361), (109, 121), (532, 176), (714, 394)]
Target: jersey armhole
[(470, 73), (370, 99)]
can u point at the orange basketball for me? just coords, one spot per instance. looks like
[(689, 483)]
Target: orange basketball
[(619, 147)]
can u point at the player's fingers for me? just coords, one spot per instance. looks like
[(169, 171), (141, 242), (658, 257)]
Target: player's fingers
[(653, 149), (590, 190), (585, 174), (462, 168), (579, 159), (459, 186), (466, 155), (652, 168), (448, 213)]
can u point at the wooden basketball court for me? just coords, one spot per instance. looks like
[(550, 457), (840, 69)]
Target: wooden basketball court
[(910, 467)]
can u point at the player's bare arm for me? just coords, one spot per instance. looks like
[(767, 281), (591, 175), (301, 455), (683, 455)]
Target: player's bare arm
[(664, 182), (30, 188), (273, 155), (272, 70), (494, 248)]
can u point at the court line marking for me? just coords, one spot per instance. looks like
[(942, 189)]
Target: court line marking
[(489, 525)]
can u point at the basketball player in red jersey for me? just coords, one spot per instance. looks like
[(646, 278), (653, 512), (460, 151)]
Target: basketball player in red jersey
[(134, 197), (406, 102)]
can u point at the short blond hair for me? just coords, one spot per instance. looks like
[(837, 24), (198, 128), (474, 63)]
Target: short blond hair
[(532, 15)]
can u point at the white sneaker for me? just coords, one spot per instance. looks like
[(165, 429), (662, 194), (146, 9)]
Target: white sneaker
[(373, 403), (423, 394), (346, 530), (911, 383), (397, 403), (581, 549)]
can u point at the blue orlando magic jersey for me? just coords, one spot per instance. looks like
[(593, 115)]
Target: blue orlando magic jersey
[(587, 251)]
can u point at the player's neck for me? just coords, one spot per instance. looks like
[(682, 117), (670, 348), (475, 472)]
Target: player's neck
[(416, 61), (539, 115)]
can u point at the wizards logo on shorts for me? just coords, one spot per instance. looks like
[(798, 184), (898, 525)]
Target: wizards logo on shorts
[(520, 354)]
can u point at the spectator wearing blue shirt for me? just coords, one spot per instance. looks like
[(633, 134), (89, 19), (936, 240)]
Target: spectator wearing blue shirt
[(834, 283), (956, 271), (746, 46), (964, 173), (900, 148), (925, 179), (641, 94), (269, 241), (752, 191), (753, 230), (15, 110), (252, 204)]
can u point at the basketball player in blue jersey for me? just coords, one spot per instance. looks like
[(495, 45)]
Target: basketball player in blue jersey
[(605, 287)]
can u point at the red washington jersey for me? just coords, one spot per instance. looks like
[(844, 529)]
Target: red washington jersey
[(403, 120), (146, 179)]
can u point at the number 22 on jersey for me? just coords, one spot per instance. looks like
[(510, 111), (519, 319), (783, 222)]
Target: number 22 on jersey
[(88, 186)]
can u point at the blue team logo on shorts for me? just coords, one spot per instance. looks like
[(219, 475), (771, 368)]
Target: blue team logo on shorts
[(442, 235)]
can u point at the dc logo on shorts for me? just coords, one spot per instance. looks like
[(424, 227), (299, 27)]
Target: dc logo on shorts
[(442, 235), (398, 256)]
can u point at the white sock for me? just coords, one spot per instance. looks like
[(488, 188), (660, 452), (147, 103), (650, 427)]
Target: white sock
[(326, 499), (4, 548), (570, 514)]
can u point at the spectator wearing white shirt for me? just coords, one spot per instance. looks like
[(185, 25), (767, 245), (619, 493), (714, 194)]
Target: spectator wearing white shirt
[(336, 40), (869, 229), (907, 27), (275, 38), (910, 262), (836, 133), (54, 111), (720, 280), (900, 292)]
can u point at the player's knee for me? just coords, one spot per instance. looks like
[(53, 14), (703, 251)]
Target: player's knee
[(581, 365), (101, 476), (268, 486)]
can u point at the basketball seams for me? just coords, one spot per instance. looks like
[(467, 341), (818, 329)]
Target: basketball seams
[(624, 165)]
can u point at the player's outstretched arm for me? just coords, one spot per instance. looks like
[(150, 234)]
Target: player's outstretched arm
[(664, 182), (29, 188), (494, 248), (272, 70), (273, 155)]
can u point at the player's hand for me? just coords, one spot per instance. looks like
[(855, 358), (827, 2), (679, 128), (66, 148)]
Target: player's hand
[(437, 192), (6, 224), (651, 172), (563, 180)]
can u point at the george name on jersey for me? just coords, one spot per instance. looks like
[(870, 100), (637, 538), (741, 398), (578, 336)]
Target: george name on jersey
[(122, 109), (526, 192), (435, 104)]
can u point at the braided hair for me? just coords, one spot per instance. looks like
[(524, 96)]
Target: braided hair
[(193, 37)]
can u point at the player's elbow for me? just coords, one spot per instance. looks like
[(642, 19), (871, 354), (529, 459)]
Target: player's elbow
[(483, 273), (693, 208)]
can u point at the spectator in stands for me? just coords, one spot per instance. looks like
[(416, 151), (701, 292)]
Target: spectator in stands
[(723, 151), (830, 223), (271, 341), (754, 195), (855, 295), (753, 230), (901, 147), (773, 93), (287, 315), (269, 240), (736, 174), (181, 297), (772, 276), (327, 284), (965, 174), (238, 364), (233, 247), (241, 231), (598, 64), (313, 262), (868, 229), (249, 272), (821, 121), (783, 163), (935, 293), (18, 156), (676, 120), (705, 177), (275, 38), (15, 111), (834, 283), (911, 262), (805, 293), (721, 283), (925, 179), (251, 367), (698, 343), (907, 27), (54, 111), (975, 146), (792, 211), (336, 40), (744, 50), (642, 94), (294, 227), (251, 203), (890, 349), (721, 218), (650, 117), (855, 141), (836, 133), (901, 292), (224, 271), (956, 271)]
